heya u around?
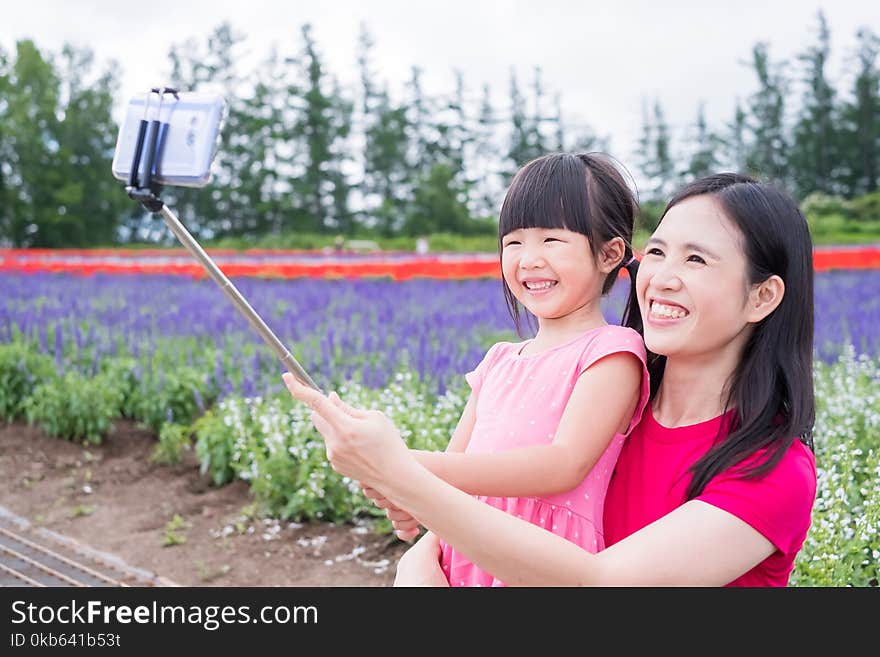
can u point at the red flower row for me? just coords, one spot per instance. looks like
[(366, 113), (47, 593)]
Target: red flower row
[(400, 267)]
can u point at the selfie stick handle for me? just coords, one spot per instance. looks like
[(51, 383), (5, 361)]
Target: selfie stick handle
[(240, 302)]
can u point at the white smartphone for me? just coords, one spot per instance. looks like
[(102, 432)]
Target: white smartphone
[(190, 137)]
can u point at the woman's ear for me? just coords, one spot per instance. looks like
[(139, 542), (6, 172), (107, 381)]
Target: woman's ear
[(611, 254), (764, 298)]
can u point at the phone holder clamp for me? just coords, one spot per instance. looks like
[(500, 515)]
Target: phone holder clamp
[(148, 149)]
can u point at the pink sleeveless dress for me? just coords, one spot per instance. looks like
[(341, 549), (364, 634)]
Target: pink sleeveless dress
[(520, 400)]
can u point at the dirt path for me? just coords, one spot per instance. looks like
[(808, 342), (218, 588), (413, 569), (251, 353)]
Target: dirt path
[(112, 499)]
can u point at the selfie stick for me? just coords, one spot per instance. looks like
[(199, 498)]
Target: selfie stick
[(146, 192)]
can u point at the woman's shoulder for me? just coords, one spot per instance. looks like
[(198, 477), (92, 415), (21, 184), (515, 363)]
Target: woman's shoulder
[(798, 465), (778, 503), (791, 479)]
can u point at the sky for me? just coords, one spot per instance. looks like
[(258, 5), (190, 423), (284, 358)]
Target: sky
[(603, 58)]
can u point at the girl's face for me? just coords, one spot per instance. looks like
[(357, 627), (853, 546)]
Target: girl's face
[(692, 286), (551, 271)]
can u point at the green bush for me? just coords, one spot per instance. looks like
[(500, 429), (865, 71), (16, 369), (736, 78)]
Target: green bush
[(819, 205), (215, 434), (867, 208), (273, 446), (121, 369), (75, 408), (21, 370), (173, 440), (168, 393), (843, 545)]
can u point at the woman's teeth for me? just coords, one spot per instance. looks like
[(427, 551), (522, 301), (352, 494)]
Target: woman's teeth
[(667, 312)]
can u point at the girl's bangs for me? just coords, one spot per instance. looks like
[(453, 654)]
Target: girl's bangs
[(547, 194)]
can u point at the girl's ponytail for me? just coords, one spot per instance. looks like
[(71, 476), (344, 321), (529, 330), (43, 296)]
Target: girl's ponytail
[(632, 316)]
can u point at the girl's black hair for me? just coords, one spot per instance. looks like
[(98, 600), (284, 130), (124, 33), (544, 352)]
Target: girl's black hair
[(581, 192), (771, 388)]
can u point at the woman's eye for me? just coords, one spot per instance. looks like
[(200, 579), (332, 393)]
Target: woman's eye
[(696, 258)]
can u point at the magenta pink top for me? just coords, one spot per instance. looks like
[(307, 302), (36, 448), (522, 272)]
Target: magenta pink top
[(652, 476), (520, 400)]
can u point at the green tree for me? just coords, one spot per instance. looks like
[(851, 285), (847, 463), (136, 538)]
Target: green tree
[(88, 199), (6, 151), (439, 204), (735, 146), (654, 152), (387, 173), (322, 125), (812, 156), (231, 204), (486, 183), (520, 150), (418, 117), (385, 185), (861, 119), (30, 125), (703, 147), (256, 200), (56, 142), (769, 145)]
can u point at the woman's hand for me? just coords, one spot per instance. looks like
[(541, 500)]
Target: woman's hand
[(363, 445), (420, 565)]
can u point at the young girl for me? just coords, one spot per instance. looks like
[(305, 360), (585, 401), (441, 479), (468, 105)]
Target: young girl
[(715, 485), (547, 417)]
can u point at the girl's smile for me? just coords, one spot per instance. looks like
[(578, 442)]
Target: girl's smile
[(552, 272), (539, 286)]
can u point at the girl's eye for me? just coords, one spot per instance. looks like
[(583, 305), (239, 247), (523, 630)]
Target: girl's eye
[(697, 259), (552, 239), (511, 242), (654, 251)]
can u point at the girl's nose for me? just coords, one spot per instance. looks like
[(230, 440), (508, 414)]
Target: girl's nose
[(532, 258)]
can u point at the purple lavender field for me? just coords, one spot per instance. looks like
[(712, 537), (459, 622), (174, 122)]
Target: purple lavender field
[(339, 330)]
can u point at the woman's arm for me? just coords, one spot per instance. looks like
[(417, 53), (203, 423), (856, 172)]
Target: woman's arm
[(695, 545), (405, 526), (601, 404)]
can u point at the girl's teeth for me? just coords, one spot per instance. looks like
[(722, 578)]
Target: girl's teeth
[(668, 312), (539, 286)]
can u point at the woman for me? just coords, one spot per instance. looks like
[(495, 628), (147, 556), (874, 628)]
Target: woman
[(715, 485)]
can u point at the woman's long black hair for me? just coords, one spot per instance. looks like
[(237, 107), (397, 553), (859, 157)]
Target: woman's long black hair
[(771, 388), (581, 192)]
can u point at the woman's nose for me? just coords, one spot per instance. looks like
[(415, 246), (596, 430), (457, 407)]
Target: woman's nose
[(666, 277)]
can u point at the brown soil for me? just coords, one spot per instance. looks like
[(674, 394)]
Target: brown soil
[(111, 498)]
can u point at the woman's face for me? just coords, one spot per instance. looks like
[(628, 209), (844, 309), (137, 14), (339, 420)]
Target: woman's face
[(692, 285)]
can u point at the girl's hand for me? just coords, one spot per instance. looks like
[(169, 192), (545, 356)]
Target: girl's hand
[(406, 527), (420, 565), (363, 445)]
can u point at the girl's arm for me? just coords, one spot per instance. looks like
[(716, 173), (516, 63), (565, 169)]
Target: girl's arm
[(601, 404), (697, 544), (462, 434)]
